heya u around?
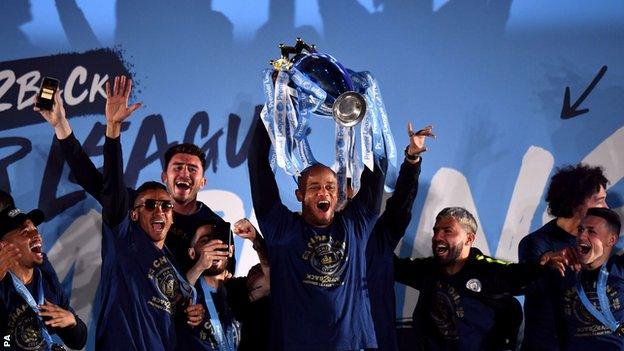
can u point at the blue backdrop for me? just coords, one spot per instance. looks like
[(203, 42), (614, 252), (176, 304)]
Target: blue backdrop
[(489, 75)]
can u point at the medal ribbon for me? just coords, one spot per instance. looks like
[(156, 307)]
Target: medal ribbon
[(30, 300), (217, 328), (605, 316)]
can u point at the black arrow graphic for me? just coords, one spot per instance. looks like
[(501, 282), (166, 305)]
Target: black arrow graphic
[(568, 111)]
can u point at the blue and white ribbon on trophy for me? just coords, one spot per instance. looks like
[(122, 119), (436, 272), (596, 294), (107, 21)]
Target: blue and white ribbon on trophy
[(294, 97)]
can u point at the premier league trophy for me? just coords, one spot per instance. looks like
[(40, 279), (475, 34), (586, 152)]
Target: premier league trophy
[(313, 83)]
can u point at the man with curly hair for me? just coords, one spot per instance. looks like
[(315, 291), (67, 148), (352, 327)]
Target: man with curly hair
[(572, 190)]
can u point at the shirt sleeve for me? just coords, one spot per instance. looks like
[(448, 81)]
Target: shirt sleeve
[(81, 166), (115, 197), (514, 278), (398, 213), (264, 191), (74, 337), (531, 249), (411, 272)]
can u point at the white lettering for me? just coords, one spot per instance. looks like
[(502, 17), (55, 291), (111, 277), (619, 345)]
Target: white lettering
[(79, 73), (27, 83), (9, 78), (97, 86)]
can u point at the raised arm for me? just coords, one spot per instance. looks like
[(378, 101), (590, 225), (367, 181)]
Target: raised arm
[(81, 166), (264, 190), (398, 212), (115, 198), (371, 191)]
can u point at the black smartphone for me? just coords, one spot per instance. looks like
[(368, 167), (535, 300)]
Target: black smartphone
[(222, 231), (45, 100)]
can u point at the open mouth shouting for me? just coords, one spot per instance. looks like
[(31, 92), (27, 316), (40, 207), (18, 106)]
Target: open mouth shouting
[(323, 205), (440, 249), (584, 248), (36, 248), (158, 225), (183, 185)]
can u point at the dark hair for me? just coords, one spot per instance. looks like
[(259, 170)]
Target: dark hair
[(150, 185), (570, 186), (6, 200), (186, 148), (612, 218), (303, 176)]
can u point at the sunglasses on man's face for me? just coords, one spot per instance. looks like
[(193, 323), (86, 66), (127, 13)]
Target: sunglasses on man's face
[(151, 205)]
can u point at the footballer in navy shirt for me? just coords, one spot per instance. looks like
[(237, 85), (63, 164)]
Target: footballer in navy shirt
[(319, 296), (33, 305)]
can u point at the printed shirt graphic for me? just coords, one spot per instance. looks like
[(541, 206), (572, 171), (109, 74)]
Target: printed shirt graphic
[(141, 293), (317, 274), (319, 296), (583, 330), (19, 322)]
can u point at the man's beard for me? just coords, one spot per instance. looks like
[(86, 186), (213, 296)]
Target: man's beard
[(454, 252), (213, 271)]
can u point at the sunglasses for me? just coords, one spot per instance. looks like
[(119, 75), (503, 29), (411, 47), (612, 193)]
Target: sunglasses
[(150, 205)]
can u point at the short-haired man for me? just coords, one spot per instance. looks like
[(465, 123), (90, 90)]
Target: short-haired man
[(572, 190), (319, 298), (183, 174), (463, 293), (143, 294), (33, 304), (590, 301), (221, 296)]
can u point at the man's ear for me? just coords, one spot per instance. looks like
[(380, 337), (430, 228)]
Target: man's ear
[(134, 215), (471, 238), (613, 239), (191, 253), (163, 177), (299, 195), (202, 182)]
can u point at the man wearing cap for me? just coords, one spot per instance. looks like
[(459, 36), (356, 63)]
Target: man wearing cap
[(33, 304)]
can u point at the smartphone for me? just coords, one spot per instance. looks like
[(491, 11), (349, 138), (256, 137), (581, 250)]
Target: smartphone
[(45, 100), (222, 231)]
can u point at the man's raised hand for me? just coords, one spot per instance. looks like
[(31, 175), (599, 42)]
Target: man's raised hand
[(117, 109)]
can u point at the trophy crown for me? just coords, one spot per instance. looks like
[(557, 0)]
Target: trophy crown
[(285, 63)]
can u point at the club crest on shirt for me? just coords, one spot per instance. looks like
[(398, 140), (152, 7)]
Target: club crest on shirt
[(446, 309), (164, 278), (585, 323), (26, 329), (328, 258)]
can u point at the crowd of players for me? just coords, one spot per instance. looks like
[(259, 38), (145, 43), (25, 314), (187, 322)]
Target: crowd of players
[(326, 277)]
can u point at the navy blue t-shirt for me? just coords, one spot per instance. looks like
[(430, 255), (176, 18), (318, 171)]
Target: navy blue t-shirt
[(539, 330), (319, 297), (20, 323), (202, 337), (141, 293), (582, 331)]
